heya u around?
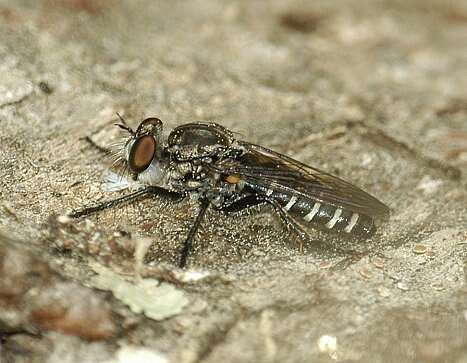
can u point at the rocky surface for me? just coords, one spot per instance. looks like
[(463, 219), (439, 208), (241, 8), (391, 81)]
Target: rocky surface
[(375, 92)]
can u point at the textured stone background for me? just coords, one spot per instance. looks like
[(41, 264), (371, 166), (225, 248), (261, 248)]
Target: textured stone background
[(374, 91)]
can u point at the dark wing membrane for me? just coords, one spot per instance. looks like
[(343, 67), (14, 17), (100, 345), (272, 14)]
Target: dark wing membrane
[(282, 173)]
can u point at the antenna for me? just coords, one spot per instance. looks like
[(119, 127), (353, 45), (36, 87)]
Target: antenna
[(124, 125)]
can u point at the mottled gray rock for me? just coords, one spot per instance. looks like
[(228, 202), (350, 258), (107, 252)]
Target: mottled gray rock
[(375, 92)]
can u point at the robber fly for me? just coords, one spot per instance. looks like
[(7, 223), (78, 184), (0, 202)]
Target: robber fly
[(206, 162)]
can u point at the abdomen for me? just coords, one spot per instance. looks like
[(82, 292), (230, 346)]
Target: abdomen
[(318, 214)]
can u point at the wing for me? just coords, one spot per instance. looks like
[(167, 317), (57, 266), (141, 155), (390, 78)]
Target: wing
[(282, 173)]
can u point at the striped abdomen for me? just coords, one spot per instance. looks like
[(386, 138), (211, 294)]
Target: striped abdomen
[(319, 214)]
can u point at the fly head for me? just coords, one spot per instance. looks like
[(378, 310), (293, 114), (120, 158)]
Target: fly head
[(143, 152)]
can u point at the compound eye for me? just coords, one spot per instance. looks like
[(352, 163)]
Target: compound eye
[(141, 153)]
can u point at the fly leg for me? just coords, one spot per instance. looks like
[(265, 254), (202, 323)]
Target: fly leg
[(304, 237), (243, 203), (139, 194), (187, 245), (255, 199), (290, 223)]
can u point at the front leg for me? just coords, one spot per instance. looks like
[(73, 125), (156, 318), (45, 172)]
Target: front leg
[(128, 198)]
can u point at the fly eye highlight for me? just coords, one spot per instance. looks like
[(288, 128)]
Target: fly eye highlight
[(141, 153)]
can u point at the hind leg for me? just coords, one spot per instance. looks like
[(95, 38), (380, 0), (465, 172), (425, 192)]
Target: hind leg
[(255, 199)]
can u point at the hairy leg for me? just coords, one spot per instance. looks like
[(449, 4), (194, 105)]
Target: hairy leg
[(128, 198), (187, 245), (255, 199)]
